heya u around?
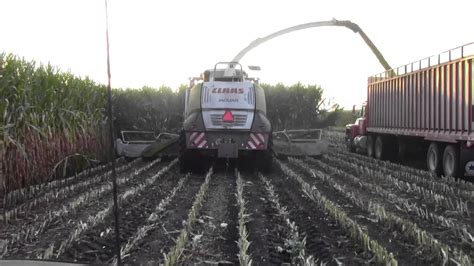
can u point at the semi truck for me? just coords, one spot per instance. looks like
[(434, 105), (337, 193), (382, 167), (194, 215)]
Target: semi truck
[(225, 117), (424, 108)]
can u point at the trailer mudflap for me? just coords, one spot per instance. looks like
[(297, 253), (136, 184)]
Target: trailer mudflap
[(466, 162)]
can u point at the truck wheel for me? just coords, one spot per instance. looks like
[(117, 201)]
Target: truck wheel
[(370, 146), (434, 158), (379, 150), (450, 161), (350, 144)]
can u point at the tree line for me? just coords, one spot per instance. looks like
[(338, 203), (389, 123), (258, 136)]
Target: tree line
[(161, 109)]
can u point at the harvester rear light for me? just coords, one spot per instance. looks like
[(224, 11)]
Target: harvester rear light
[(228, 117)]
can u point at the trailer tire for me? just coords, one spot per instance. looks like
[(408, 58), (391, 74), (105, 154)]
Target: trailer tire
[(370, 146), (434, 159), (451, 161), (380, 148)]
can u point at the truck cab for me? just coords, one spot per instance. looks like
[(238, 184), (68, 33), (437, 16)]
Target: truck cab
[(355, 133)]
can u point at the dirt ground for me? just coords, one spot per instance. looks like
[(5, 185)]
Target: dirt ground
[(342, 207)]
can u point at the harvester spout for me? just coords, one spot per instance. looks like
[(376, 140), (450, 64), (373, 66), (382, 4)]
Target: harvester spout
[(334, 22)]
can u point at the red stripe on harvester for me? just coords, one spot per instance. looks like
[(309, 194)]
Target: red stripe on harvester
[(202, 144), (193, 135), (251, 144), (199, 138), (255, 140)]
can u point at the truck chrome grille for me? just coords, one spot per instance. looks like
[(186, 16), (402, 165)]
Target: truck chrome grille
[(239, 120)]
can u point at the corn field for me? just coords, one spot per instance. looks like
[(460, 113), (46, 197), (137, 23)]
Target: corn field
[(54, 124), (51, 122), (341, 208)]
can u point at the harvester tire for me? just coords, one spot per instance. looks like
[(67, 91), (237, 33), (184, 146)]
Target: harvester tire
[(183, 154), (265, 160)]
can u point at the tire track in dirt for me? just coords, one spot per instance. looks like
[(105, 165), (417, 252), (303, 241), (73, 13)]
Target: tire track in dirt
[(266, 230), (352, 204), (55, 196), (159, 240), (99, 244), (454, 231), (43, 220), (294, 243), (416, 167), (17, 197), (60, 227), (352, 228), (151, 222), (214, 235), (325, 240), (447, 186)]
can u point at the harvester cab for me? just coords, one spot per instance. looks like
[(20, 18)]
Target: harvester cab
[(229, 73)]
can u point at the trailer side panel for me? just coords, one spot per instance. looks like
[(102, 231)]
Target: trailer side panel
[(434, 102)]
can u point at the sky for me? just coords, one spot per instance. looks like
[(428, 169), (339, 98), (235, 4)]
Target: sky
[(155, 43)]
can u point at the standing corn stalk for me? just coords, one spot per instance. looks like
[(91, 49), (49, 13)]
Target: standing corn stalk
[(46, 115)]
